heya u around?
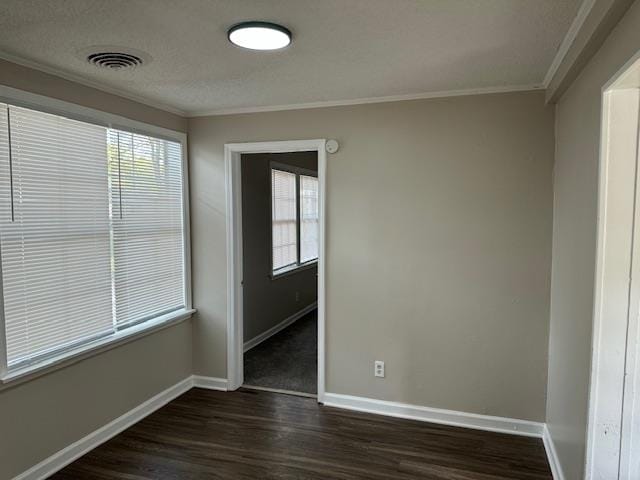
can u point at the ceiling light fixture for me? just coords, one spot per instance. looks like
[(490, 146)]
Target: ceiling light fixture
[(259, 36)]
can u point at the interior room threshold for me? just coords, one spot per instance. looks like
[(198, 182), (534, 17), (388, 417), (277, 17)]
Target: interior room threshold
[(278, 390)]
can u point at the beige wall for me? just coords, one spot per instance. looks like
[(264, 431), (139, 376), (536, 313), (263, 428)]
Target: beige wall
[(438, 246), (574, 243), (268, 301), (44, 415)]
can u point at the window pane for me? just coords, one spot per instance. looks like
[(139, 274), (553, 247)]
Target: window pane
[(285, 242), (56, 251), (308, 218), (147, 242), (91, 231)]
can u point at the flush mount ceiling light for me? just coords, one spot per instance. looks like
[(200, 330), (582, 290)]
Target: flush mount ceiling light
[(259, 36)]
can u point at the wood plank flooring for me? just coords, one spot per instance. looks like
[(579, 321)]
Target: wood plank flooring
[(249, 434)]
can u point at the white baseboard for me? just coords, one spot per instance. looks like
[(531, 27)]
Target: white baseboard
[(249, 344), (552, 455), (212, 383), (61, 459), (435, 415)]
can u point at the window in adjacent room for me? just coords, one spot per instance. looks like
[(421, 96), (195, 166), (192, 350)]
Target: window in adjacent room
[(284, 219), (294, 221), (308, 218)]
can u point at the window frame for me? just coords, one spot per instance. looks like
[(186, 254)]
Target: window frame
[(298, 266), (20, 98)]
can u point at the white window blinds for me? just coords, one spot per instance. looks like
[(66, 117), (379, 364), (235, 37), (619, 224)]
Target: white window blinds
[(284, 218), (91, 232), (295, 226), (54, 233), (146, 192), (308, 218)]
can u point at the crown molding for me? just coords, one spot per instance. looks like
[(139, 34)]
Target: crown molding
[(569, 38), (368, 100), (89, 83), (270, 108), (594, 23)]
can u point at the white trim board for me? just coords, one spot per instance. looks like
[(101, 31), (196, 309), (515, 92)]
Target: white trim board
[(611, 431), (210, 383), (572, 33), (258, 339), (64, 457), (435, 415), (552, 455), (233, 189), (9, 380)]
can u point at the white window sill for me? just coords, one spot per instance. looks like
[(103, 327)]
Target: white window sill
[(19, 375), (283, 272)]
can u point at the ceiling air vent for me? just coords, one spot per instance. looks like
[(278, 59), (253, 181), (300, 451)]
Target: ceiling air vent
[(114, 57), (115, 60)]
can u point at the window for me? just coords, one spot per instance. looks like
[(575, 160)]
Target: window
[(283, 227), (147, 237), (308, 218), (294, 218), (91, 232)]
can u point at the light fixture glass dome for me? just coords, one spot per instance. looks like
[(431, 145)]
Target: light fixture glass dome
[(259, 36)]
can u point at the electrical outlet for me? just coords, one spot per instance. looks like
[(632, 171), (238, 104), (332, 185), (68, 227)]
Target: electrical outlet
[(378, 368)]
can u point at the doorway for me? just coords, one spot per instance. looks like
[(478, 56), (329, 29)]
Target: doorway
[(280, 266), (613, 438), (291, 260)]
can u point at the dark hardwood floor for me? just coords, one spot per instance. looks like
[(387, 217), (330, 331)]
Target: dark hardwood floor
[(247, 434)]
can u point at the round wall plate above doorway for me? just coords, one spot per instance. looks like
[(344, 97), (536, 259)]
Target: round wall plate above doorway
[(332, 146)]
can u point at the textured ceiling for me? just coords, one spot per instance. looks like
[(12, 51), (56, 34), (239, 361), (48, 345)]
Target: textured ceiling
[(342, 49)]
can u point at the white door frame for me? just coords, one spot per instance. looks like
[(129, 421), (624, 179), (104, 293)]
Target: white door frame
[(233, 184), (615, 372)]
